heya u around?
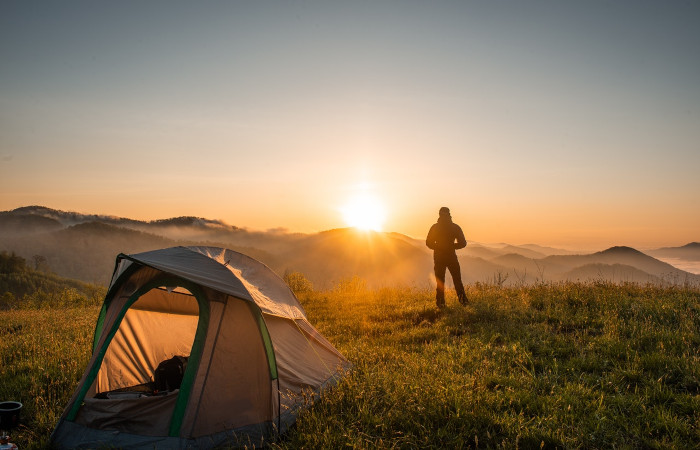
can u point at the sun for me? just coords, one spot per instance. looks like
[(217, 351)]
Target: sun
[(364, 212)]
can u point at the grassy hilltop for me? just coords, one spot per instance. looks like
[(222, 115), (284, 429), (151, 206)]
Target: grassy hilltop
[(569, 365)]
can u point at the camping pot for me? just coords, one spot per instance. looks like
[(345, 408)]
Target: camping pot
[(9, 414)]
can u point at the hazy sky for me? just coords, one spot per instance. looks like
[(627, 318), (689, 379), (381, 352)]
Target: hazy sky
[(563, 123)]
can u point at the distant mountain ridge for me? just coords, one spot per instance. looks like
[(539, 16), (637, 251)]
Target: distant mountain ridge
[(84, 246), (68, 218), (690, 252)]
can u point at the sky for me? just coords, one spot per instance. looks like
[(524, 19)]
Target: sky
[(570, 124)]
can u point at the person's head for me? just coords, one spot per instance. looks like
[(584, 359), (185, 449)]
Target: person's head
[(444, 211)]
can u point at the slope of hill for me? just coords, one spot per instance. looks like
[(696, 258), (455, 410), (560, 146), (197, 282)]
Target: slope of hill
[(513, 249), (68, 218), (480, 251), (635, 258), (381, 259), (523, 268), (689, 252), (547, 251), (84, 251), (609, 272), (18, 224), (19, 281)]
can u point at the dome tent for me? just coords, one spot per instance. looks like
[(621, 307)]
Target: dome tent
[(250, 355)]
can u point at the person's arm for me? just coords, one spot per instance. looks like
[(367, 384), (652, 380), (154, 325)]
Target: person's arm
[(461, 240), (430, 240)]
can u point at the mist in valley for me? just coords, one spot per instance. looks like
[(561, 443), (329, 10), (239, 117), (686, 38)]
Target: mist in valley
[(84, 247)]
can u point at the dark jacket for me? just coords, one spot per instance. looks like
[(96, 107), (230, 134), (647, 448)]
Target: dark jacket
[(441, 239)]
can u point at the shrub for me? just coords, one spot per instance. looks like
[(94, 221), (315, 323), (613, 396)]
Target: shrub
[(297, 282)]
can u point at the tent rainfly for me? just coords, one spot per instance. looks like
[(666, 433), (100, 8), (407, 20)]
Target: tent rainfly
[(196, 347)]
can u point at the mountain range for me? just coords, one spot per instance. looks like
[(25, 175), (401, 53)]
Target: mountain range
[(84, 247)]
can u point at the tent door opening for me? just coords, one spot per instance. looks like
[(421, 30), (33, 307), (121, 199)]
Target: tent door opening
[(158, 327), (144, 363)]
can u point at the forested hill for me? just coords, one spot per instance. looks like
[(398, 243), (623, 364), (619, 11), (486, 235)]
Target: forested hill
[(22, 285)]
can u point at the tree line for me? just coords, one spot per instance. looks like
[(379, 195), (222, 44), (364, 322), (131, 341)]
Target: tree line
[(24, 285)]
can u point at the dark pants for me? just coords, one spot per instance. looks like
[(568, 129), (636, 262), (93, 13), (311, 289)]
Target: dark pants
[(453, 266)]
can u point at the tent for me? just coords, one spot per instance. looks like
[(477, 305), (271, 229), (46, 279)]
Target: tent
[(249, 357)]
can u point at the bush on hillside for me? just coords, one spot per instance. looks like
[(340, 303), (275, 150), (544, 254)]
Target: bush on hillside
[(11, 263), (297, 282)]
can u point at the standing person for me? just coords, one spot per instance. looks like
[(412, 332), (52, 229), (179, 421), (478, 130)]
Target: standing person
[(444, 238)]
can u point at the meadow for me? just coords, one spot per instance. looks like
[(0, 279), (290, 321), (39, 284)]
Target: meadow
[(569, 365)]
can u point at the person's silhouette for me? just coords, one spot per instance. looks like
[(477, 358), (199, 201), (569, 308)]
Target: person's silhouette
[(444, 238)]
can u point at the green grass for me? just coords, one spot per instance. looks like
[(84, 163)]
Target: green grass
[(570, 365), (43, 354), (565, 365)]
